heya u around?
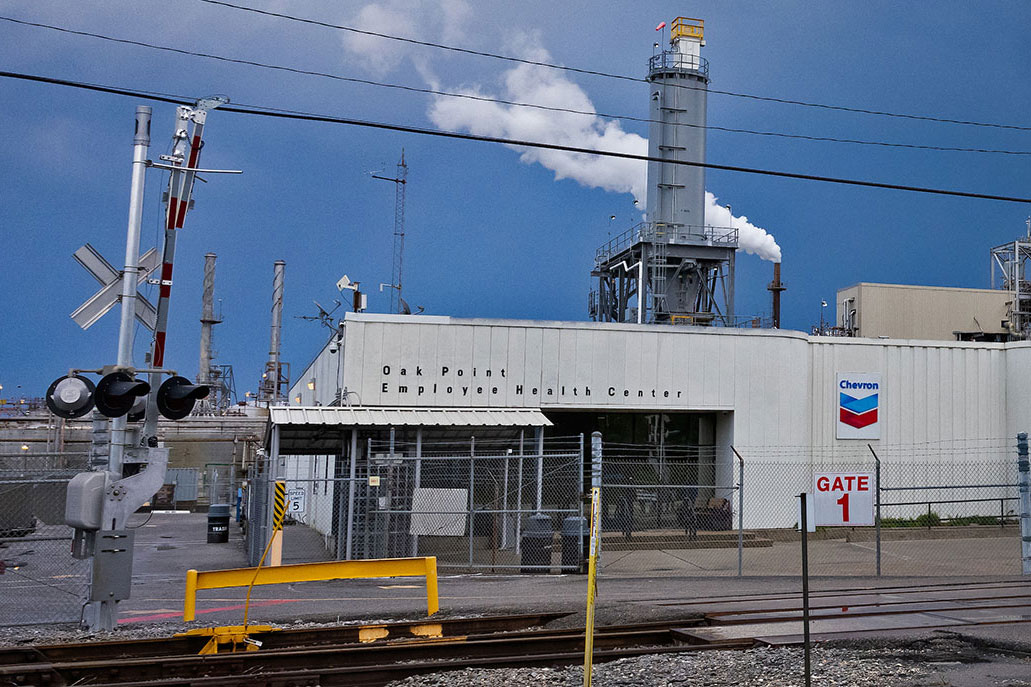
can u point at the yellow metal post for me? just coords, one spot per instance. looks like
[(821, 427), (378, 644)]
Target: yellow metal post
[(278, 513), (592, 583), (432, 600), (190, 600)]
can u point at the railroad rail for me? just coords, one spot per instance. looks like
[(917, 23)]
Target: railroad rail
[(328, 656)]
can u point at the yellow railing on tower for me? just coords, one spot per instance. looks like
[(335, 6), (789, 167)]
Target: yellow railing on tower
[(687, 27)]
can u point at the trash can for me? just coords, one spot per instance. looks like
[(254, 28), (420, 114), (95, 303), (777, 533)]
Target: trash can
[(535, 544), (576, 544), (218, 523)]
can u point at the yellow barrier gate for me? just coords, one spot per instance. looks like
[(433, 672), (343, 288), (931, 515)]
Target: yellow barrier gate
[(311, 572)]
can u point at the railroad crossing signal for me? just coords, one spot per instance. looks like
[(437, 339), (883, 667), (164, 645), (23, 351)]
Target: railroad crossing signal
[(117, 392), (177, 395), (71, 396), (111, 281)]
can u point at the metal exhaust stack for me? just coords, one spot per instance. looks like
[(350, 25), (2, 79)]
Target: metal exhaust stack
[(207, 319), (775, 287), (270, 386)]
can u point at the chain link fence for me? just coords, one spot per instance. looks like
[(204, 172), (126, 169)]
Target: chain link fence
[(939, 509), (945, 508), (39, 580), (499, 505)]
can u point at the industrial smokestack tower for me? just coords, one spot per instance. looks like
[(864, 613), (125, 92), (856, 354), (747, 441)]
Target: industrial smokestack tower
[(207, 319), (776, 287), (273, 381), (672, 268)]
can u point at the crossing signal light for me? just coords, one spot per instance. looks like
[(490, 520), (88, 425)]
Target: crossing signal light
[(177, 395), (117, 393), (70, 397), (138, 410)]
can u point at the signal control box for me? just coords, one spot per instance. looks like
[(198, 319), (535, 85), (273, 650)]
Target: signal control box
[(84, 506)]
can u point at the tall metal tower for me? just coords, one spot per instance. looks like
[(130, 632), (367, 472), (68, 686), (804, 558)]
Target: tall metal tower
[(275, 381), (397, 305), (1010, 263), (672, 268)]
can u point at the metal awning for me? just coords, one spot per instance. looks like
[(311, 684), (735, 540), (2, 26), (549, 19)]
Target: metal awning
[(320, 429)]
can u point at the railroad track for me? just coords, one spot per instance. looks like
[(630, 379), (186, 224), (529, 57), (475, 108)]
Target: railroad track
[(334, 655)]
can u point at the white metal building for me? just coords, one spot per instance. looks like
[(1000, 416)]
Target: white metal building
[(806, 395)]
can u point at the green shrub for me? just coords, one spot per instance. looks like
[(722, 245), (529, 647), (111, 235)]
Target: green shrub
[(930, 519)]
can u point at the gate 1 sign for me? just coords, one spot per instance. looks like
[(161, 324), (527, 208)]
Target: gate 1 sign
[(844, 499)]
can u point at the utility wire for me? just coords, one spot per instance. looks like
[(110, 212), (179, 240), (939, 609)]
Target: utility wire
[(470, 96), (311, 117), (623, 77)]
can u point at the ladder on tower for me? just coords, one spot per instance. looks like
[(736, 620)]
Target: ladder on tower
[(658, 265)]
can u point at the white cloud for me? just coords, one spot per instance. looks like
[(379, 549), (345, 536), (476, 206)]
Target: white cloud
[(430, 20)]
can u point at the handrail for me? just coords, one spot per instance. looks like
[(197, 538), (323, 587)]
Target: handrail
[(661, 232), (669, 60)]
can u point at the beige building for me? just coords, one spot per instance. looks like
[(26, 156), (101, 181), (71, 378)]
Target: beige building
[(937, 313)]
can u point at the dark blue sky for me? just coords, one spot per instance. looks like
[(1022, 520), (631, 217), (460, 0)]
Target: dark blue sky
[(488, 234)]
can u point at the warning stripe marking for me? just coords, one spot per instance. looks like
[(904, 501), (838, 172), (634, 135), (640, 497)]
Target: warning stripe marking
[(279, 506)]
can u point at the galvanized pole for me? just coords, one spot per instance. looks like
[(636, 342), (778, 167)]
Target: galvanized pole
[(877, 505), (352, 475), (519, 495), (127, 326), (1025, 503), (740, 512), (805, 589), (472, 495), (540, 468), (418, 480), (596, 460)]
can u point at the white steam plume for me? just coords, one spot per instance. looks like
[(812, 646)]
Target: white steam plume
[(531, 84), (528, 83), (751, 239)]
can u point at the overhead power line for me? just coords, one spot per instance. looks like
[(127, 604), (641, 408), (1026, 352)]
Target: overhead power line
[(312, 117), (500, 101), (623, 77)]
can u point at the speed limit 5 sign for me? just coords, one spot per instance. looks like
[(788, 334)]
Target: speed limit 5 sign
[(844, 499)]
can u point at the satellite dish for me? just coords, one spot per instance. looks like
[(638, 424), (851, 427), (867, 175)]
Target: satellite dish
[(405, 310), (343, 283)]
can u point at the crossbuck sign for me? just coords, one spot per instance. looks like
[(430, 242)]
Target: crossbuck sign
[(111, 282)]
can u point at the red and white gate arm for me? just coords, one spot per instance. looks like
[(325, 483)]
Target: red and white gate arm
[(180, 187), (186, 147)]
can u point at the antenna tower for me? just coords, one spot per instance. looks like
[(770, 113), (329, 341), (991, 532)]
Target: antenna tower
[(399, 232)]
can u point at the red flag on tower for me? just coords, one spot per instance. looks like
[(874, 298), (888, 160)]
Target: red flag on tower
[(661, 26)]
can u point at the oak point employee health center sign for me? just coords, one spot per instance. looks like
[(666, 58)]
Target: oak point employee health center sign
[(859, 396)]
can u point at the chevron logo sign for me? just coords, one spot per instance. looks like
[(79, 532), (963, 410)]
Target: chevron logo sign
[(858, 404), (858, 412)]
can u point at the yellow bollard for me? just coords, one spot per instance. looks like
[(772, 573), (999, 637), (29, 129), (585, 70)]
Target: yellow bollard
[(592, 583)]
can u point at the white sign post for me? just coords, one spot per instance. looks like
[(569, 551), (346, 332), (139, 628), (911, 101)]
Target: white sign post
[(844, 499)]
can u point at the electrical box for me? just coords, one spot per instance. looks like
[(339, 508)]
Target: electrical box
[(112, 566), (84, 506)]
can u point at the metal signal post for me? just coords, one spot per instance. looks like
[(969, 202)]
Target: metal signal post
[(99, 504)]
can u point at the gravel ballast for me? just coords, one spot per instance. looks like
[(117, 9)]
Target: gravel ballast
[(884, 666)]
